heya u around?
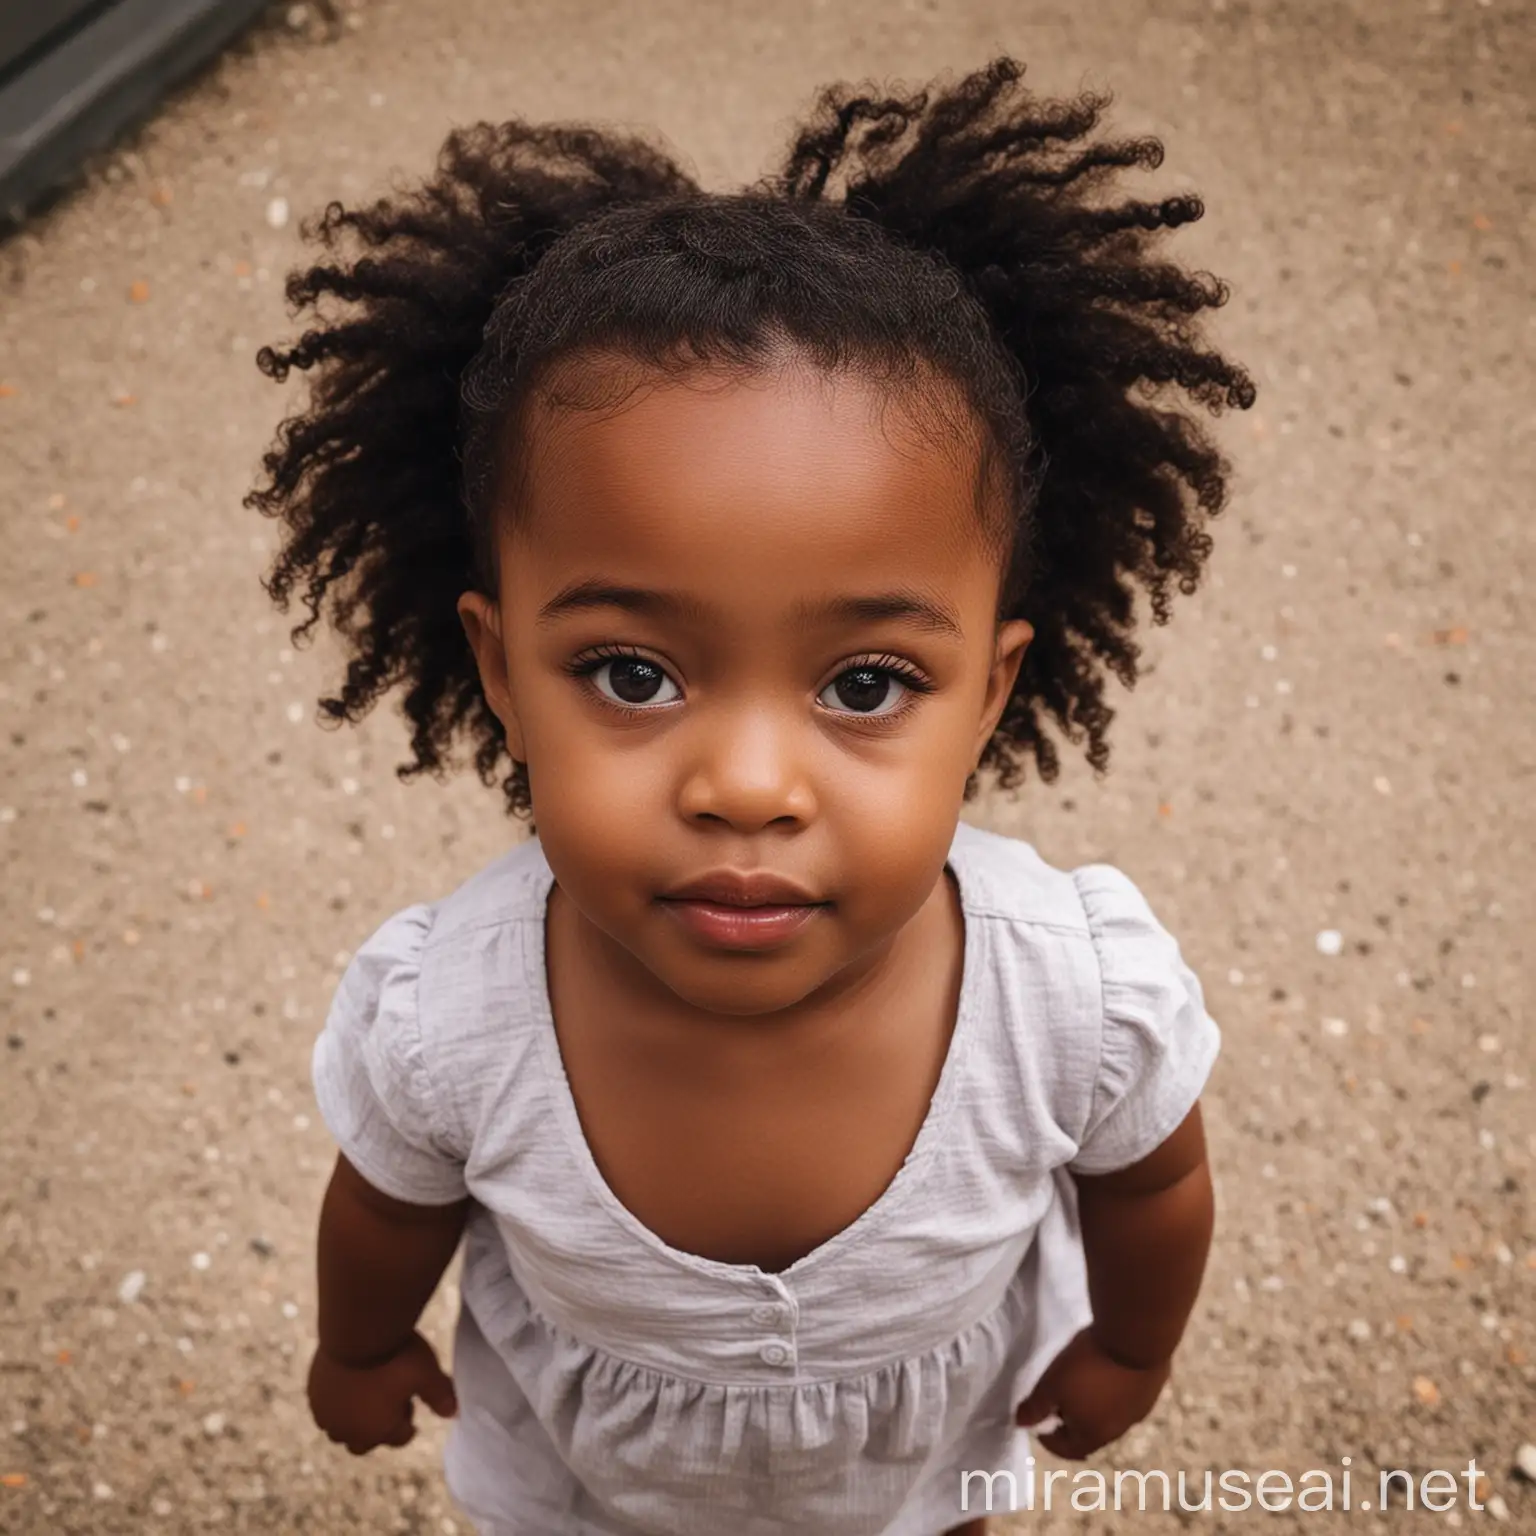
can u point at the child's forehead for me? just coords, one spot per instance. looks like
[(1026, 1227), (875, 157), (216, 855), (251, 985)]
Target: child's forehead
[(795, 460)]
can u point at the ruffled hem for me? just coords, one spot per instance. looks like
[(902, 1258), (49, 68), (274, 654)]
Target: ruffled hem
[(645, 1453)]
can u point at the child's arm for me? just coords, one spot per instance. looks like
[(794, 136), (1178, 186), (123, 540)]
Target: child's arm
[(1146, 1232), (380, 1260)]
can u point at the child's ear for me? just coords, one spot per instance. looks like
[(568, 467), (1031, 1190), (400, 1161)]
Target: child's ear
[(481, 619), (1007, 655)]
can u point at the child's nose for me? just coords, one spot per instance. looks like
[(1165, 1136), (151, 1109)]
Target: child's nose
[(745, 771)]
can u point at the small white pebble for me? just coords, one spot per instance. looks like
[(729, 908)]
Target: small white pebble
[(7, 813), (1381, 784), (213, 1425), (349, 786), (201, 1261), (1235, 977), (21, 976), (45, 914), (158, 642), (387, 830), (1269, 653), (295, 713), (101, 1490), (79, 778), (1271, 1283), (1282, 685), (1287, 571), (183, 784), (301, 1122), (120, 742), (1330, 942), (290, 1310), (132, 1287), (1252, 701), (184, 1345), (1496, 1507), (297, 16), (1468, 980), (1360, 1330), (1398, 1264), (1335, 1027), (277, 212), (1488, 1043), (160, 1508), (1487, 1140)]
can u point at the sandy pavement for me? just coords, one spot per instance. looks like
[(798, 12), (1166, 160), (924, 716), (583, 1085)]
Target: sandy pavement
[(1337, 736)]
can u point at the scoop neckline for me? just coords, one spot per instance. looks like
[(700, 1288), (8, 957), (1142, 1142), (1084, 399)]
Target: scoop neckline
[(873, 1215)]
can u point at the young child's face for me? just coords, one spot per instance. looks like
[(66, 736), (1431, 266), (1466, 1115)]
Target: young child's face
[(710, 597)]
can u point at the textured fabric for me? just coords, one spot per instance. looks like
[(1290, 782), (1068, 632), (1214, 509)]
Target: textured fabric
[(610, 1384)]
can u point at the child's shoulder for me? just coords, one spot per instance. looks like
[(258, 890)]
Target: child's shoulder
[(1006, 877), (428, 935), (512, 888)]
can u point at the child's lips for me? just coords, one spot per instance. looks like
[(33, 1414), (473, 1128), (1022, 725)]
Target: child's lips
[(742, 908), (743, 888), (732, 926)]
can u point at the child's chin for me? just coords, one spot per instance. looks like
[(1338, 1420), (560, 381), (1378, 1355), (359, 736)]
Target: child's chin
[(744, 983)]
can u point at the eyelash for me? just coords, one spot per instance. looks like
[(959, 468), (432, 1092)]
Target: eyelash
[(903, 671), (588, 662)]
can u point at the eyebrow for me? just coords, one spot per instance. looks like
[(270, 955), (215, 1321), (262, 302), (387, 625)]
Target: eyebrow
[(906, 606), (597, 593), (903, 605)]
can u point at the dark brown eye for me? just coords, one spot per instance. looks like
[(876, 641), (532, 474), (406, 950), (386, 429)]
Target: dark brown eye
[(633, 680), (864, 691)]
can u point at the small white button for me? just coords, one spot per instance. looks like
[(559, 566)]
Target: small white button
[(765, 1313), (774, 1354)]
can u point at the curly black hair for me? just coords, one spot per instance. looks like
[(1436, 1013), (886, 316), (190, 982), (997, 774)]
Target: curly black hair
[(956, 233)]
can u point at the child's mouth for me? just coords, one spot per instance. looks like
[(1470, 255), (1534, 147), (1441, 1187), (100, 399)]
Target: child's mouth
[(728, 926), (742, 909)]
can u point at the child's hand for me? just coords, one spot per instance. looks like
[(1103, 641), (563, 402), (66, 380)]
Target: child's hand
[(361, 1407), (1096, 1397)]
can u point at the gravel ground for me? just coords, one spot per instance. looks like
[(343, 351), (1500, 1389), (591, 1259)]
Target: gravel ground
[(1324, 785)]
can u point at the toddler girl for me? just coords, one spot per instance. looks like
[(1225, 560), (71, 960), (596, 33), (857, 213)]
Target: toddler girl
[(805, 1142)]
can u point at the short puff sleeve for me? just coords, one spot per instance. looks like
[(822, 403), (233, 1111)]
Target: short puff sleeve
[(371, 1077), (1159, 1043)]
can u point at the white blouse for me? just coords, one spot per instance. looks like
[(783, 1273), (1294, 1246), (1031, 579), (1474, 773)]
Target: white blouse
[(610, 1384)]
